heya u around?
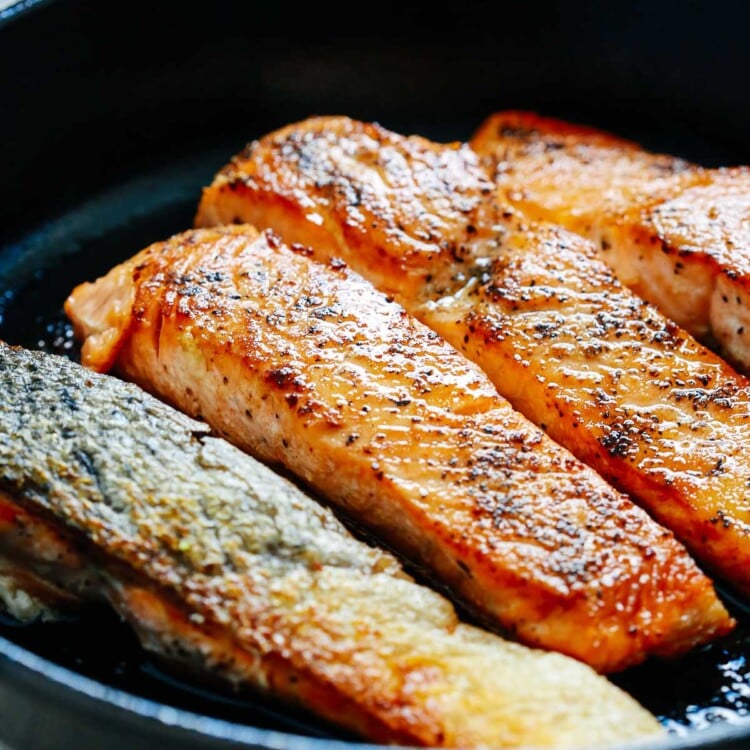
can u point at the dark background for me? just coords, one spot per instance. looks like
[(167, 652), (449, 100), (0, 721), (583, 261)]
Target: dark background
[(92, 91)]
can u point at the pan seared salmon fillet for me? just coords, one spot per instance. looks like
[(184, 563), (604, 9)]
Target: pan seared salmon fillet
[(675, 233), (222, 565), (308, 366), (604, 373)]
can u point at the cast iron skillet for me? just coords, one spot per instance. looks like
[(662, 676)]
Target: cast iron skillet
[(112, 117)]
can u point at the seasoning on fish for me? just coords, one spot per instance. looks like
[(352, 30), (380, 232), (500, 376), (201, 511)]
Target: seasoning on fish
[(221, 564), (308, 366), (675, 233), (605, 374)]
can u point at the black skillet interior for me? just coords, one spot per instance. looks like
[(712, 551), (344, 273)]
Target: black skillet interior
[(114, 115)]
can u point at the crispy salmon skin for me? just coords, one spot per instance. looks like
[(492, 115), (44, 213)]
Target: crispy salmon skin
[(218, 562), (307, 365), (605, 374), (677, 234)]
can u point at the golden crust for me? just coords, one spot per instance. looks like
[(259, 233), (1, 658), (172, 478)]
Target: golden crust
[(308, 366), (605, 374), (676, 233), (572, 174)]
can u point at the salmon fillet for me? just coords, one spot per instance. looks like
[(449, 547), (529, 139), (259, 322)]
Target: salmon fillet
[(229, 569), (308, 366), (675, 233), (604, 373)]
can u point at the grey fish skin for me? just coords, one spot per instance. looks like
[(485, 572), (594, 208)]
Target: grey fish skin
[(218, 561), (94, 449)]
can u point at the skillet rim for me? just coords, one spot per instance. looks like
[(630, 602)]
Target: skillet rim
[(85, 695), (20, 8)]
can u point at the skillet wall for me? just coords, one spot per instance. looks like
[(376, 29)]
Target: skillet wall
[(92, 91)]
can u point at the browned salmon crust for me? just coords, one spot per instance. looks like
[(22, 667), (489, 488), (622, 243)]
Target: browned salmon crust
[(675, 233), (229, 569), (308, 366), (605, 374)]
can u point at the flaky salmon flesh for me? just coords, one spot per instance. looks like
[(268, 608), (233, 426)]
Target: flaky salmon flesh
[(676, 233), (222, 565), (604, 373), (308, 366)]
